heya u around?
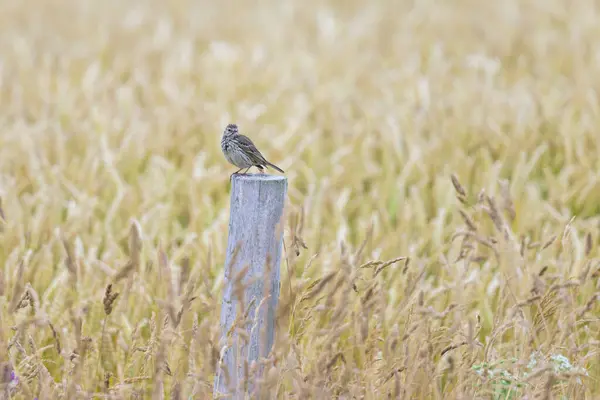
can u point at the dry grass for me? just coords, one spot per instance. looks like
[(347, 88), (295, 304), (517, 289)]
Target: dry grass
[(112, 182)]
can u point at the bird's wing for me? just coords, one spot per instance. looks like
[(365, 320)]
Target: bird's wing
[(249, 148)]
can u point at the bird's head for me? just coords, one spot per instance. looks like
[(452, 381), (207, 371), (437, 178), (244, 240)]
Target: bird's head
[(230, 129)]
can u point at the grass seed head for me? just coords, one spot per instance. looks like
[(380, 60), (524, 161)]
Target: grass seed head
[(109, 299)]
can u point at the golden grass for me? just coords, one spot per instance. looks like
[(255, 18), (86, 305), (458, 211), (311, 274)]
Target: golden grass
[(111, 174)]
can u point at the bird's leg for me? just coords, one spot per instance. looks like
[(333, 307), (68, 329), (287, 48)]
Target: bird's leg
[(247, 169), (235, 173)]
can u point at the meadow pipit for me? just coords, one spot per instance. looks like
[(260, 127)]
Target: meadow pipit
[(241, 152)]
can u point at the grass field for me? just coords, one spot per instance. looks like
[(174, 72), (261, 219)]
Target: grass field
[(111, 172)]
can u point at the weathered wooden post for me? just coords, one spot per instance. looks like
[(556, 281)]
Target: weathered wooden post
[(251, 289)]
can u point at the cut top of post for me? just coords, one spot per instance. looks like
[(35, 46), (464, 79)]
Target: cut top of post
[(271, 186), (259, 177)]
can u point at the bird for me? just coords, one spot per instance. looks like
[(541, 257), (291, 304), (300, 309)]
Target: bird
[(240, 151)]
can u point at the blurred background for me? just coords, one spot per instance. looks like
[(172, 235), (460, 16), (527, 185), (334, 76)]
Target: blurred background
[(111, 114)]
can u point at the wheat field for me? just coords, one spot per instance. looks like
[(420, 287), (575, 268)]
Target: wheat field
[(443, 218)]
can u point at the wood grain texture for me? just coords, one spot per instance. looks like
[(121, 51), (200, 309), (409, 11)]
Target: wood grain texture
[(255, 241)]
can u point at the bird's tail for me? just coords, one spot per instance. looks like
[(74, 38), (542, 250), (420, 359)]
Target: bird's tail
[(275, 166)]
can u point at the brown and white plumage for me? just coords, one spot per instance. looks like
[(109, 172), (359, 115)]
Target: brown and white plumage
[(240, 151)]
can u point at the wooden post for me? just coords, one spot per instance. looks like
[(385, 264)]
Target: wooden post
[(251, 281)]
